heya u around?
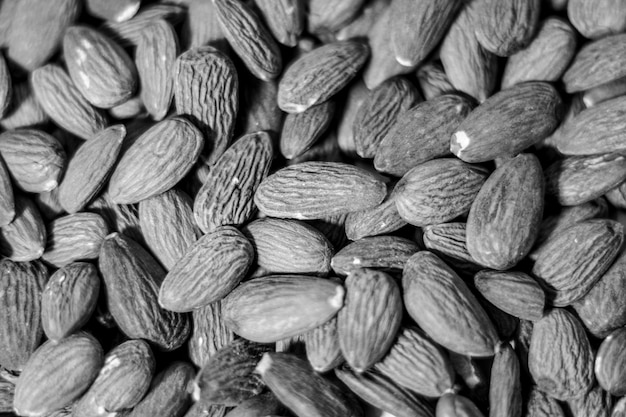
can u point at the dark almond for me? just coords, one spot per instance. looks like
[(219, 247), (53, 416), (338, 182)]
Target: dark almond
[(25, 109), (318, 75), (560, 357), (438, 191), (69, 299), (569, 264), (89, 168), (310, 190), (430, 285), (508, 122), (132, 278), (208, 271), (275, 307), (504, 219), (421, 134)]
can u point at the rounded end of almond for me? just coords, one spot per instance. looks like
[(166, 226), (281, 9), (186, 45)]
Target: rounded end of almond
[(264, 364), (336, 300), (460, 141)]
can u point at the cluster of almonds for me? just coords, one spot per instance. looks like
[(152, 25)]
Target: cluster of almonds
[(312, 208)]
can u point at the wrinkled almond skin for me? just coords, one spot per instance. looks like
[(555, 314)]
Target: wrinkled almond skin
[(416, 363), (89, 168), (504, 219), (568, 265), (318, 75), (421, 133), (121, 383), (289, 246), (74, 237), (131, 279), (7, 201), (21, 288), (226, 196), (599, 19), (209, 333), (449, 242), (371, 315), (508, 122), (296, 385), (311, 190), (284, 19), (505, 393), (322, 347), (168, 226), (430, 285), (378, 220), (276, 307), (503, 27), (101, 70), (35, 160), (388, 253), (383, 393), (64, 104), (156, 161), (24, 239), (437, 191), (69, 299), (210, 269), (560, 357), (57, 374), (302, 130), (206, 87), (542, 405)]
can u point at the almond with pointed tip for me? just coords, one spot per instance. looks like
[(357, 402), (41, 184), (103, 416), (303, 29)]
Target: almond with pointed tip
[(57, 374), (35, 160), (24, 239), (276, 307), (456, 320), (69, 299), (388, 253), (101, 70)]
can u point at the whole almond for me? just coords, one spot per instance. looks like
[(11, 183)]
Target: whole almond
[(132, 278), (388, 253), (156, 161), (69, 299), (208, 271), (121, 383), (63, 102), (289, 246), (318, 75), (226, 196), (508, 122), (504, 219), (309, 190), (101, 70), (568, 265), (275, 307), (371, 315), (302, 130), (57, 374), (154, 59), (206, 87), (21, 287), (24, 239), (250, 39), (560, 357), (35, 160), (168, 226), (437, 191), (430, 285)]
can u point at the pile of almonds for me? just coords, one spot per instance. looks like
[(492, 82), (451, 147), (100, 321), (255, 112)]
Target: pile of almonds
[(312, 208)]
